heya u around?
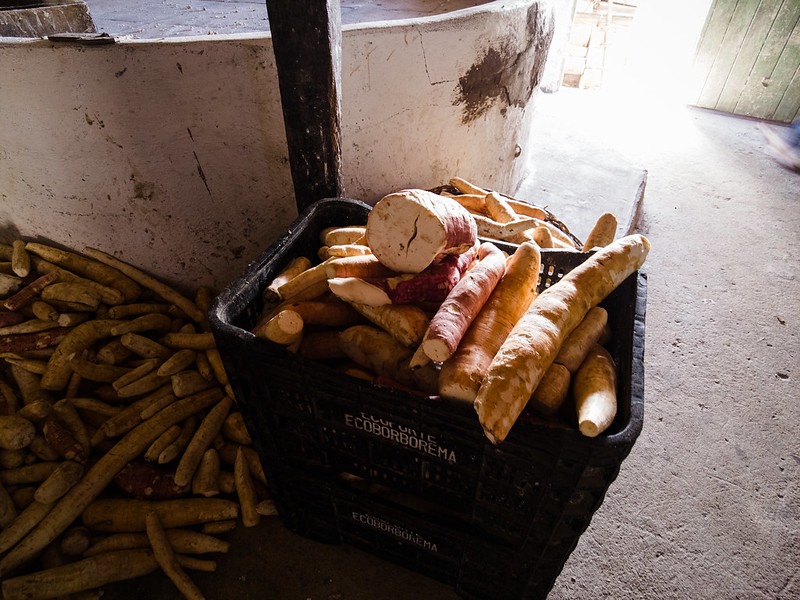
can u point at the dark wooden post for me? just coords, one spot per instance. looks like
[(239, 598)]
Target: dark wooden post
[(306, 39)]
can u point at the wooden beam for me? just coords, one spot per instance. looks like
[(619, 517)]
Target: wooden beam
[(306, 40)]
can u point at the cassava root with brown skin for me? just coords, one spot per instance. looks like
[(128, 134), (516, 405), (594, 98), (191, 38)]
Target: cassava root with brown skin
[(602, 233), (343, 251), (98, 477), (185, 541), (85, 266), (140, 277), (406, 323), (167, 560), (82, 575), (463, 304), (295, 267)]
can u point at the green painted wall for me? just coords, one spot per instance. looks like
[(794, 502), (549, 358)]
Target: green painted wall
[(747, 61)]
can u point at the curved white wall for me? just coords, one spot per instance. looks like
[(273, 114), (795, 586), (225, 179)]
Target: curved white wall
[(171, 153)]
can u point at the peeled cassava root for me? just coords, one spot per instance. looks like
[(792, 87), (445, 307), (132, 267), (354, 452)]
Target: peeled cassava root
[(595, 390), (533, 344), (123, 391)]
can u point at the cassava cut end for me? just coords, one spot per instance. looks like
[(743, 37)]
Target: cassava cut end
[(408, 230)]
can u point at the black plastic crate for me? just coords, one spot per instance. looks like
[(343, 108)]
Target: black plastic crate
[(478, 568), (532, 495)]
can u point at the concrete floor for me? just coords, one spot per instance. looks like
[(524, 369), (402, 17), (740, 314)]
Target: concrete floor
[(708, 503)]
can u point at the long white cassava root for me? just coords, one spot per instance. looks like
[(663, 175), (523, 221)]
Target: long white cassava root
[(86, 574), (533, 344)]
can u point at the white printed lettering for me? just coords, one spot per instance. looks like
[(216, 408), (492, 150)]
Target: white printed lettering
[(394, 530), (400, 434)]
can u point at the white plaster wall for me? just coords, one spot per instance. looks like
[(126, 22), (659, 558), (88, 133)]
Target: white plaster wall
[(403, 121), (171, 153), (563, 15), (104, 146)]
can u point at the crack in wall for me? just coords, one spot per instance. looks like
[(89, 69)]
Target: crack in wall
[(425, 62)]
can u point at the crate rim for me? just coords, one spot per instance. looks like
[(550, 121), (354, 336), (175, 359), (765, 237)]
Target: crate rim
[(221, 316), (217, 311)]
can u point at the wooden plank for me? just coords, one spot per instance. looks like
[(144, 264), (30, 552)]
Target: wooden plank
[(739, 78), (306, 40), (708, 46), (789, 108), (765, 90), (785, 70), (777, 65), (732, 41)]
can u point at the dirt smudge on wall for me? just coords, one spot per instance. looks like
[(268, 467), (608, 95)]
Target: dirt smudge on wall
[(505, 75)]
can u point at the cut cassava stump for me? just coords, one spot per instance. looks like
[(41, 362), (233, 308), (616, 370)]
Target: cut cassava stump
[(595, 390), (409, 229)]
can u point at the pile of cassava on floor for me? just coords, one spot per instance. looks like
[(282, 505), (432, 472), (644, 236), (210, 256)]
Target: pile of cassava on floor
[(121, 448)]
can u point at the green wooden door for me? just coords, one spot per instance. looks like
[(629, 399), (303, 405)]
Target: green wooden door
[(747, 61)]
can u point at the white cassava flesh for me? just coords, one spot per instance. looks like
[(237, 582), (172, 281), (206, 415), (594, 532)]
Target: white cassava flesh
[(409, 229), (595, 390)]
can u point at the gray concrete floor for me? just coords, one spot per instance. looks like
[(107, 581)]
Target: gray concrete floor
[(707, 505)]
